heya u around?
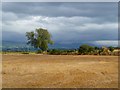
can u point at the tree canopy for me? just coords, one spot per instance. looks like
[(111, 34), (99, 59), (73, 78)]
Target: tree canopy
[(39, 39), (85, 49)]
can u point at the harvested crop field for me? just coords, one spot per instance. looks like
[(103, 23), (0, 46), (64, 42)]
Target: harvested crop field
[(59, 71)]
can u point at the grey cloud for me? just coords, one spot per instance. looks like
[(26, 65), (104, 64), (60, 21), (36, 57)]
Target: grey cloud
[(8, 16), (13, 36), (106, 10), (72, 29), (67, 22), (75, 37), (99, 12)]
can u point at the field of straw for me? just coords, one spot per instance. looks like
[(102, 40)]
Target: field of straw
[(59, 71)]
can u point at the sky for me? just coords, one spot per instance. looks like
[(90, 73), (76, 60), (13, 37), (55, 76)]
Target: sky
[(72, 23)]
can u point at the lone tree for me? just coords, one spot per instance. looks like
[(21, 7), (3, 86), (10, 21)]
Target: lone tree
[(39, 39)]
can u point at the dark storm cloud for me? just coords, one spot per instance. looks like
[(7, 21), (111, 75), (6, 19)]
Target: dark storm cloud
[(75, 22), (13, 36), (62, 9), (73, 36)]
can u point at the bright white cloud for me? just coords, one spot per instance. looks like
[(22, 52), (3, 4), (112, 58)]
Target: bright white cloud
[(106, 43)]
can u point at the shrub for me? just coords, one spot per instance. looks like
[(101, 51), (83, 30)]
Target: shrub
[(57, 52), (25, 52), (111, 48), (86, 49), (54, 52), (39, 51)]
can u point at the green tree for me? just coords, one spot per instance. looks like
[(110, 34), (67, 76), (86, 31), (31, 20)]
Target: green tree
[(39, 39), (111, 48), (85, 49), (96, 48)]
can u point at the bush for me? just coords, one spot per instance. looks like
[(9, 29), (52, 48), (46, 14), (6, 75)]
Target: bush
[(39, 51), (111, 48), (86, 49), (25, 52), (62, 52), (54, 52)]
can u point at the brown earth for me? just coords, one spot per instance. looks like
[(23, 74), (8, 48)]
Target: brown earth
[(59, 71)]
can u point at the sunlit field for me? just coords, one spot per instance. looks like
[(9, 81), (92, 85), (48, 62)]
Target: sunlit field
[(59, 71)]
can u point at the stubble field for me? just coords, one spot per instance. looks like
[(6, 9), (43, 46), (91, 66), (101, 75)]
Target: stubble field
[(59, 71)]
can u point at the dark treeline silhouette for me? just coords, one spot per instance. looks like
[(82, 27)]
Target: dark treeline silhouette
[(82, 50), (85, 50)]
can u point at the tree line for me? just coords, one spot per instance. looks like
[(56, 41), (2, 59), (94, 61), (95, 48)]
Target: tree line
[(82, 50), (40, 38)]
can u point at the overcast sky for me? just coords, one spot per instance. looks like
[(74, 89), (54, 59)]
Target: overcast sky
[(69, 23)]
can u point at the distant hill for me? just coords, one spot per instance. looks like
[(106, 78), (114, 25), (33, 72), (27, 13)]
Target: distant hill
[(6, 45), (12, 44)]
